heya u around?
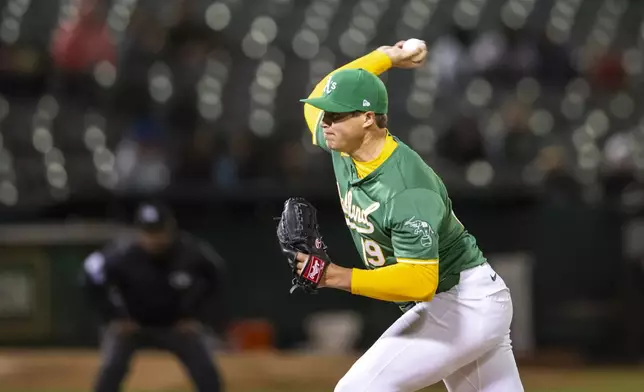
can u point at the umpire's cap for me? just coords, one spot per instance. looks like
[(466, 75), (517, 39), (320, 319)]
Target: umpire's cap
[(154, 217)]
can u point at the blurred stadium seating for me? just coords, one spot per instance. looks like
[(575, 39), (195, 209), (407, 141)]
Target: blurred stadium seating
[(518, 94)]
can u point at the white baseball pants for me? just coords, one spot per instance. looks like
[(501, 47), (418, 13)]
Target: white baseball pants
[(461, 337)]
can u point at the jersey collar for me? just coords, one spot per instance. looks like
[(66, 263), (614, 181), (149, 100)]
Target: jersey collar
[(355, 180)]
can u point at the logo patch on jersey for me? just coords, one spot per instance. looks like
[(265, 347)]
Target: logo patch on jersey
[(356, 217), (421, 229)]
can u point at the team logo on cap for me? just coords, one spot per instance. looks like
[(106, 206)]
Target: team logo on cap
[(330, 86)]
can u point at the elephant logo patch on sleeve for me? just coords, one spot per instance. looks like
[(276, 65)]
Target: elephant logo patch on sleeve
[(421, 229)]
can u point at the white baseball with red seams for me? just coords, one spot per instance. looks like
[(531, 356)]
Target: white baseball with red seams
[(412, 44)]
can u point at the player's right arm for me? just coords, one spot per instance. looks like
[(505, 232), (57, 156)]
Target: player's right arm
[(376, 62)]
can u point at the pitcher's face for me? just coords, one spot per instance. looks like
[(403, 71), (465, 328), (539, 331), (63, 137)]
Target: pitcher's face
[(344, 132)]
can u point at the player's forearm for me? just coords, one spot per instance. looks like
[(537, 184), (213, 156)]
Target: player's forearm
[(375, 62), (338, 277), (399, 282)]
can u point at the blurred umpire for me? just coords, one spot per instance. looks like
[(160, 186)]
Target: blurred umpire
[(160, 288)]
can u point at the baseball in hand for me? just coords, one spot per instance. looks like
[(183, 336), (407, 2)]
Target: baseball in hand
[(412, 45)]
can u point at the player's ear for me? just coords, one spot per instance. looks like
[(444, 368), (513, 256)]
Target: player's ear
[(369, 119)]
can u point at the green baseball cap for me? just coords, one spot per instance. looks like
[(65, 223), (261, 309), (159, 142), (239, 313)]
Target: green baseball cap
[(352, 90)]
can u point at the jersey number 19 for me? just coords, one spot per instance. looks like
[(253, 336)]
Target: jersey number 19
[(372, 253)]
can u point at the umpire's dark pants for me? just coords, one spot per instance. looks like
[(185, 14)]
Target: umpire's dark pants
[(190, 348)]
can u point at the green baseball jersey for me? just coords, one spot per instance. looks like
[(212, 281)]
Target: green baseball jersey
[(401, 212)]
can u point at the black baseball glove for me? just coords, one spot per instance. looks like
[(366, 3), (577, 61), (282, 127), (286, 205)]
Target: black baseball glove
[(298, 231)]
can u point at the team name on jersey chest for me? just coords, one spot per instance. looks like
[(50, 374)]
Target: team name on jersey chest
[(357, 214)]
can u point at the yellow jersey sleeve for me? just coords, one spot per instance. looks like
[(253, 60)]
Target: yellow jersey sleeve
[(398, 282), (375, 62)]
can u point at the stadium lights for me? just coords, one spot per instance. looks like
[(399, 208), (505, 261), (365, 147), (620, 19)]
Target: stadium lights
[(528, 90), (309, 38), (263, 90), (317, 25), (210, 86), (467, 13), (622, 105), (320, 66), (306, 44), (633, 60), (479, 92), (422, 138), (54, 156), (480, 173), (56, 175), (515, 12), (160, 82), (42, 139), (423, 92), (562, 16), (541, 122), (8, 193), (94, 138), (48, 107), (218, 16)]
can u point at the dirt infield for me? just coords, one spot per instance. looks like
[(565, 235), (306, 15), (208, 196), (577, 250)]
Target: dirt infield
[(74, 371)]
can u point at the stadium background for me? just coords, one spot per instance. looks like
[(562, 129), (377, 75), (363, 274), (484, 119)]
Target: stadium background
[(530, 110)]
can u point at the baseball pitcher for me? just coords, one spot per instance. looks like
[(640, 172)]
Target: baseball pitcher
[(457, 310)]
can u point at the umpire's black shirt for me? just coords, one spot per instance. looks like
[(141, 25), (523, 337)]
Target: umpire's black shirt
[(183, 282)]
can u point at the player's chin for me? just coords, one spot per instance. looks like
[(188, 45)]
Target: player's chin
[(336, 144), (332, 143), (335, 147)]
